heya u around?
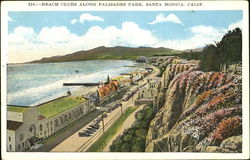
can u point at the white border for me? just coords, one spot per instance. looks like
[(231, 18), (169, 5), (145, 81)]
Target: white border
[(207, 5)]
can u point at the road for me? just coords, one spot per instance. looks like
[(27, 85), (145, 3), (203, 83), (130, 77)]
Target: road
[(74, 143), (60, 138)]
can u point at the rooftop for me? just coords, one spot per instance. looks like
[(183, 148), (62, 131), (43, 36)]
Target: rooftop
[(106, 89), (20, 109), (118, 78), (59, 105), (13, 125), (154, 80)]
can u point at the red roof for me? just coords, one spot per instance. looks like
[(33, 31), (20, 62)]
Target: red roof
[(40, 117), (106, 89)]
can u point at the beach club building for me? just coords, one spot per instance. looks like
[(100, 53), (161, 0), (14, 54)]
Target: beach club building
[(107, 88), (148, 94), (28, 125)]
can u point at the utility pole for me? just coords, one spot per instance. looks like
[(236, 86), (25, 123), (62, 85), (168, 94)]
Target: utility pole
[(102, 116), (121, 109), (102, 123)]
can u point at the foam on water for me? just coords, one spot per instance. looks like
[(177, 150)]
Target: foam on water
[(33, 90)]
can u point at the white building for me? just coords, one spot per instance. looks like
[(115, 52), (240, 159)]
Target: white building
[(148, 94), (27, 125)]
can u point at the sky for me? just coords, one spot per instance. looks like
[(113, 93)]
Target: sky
[(34, 35)]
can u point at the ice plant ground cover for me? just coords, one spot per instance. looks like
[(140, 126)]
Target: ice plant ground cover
[(206, 107)]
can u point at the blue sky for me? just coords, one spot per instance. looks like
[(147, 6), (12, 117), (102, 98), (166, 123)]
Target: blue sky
[(34, 35)]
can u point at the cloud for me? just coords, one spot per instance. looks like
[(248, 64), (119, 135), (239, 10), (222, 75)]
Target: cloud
[(238, 24), (201, 35), (86, 17), (129, 34), (207, 31), (73, 21), (169, 18), (10, 19), (22, 34), (26, 45), (55, 35)]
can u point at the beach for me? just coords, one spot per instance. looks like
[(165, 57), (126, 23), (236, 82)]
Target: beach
[(84, 90), (33, 84)]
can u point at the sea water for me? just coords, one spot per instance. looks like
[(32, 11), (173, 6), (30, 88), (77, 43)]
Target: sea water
[(32, 84)]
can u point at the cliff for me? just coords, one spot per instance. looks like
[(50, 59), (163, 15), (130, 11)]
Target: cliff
[(198, 112)]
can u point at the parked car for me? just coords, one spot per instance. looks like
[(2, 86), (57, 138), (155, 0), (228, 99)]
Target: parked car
[(125, 97), (91, 129), (84, 134), (95, 126)]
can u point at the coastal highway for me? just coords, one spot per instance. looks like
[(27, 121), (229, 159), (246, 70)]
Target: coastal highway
[(74, 143)]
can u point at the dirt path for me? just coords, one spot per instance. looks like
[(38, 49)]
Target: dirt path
[(126, 124)]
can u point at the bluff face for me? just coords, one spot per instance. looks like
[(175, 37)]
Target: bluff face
[(198, 112)]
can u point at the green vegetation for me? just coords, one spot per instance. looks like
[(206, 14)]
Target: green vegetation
[(17, 109), (110, 53), (59, 105), (134, 139), (162, 70), (117, 78), (107, 136), (226, 52)]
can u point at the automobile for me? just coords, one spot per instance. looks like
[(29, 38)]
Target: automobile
[(96, 123), (97, 120), (125, 98), (95, 126), (83, 134), (91, 129), (119, 104)]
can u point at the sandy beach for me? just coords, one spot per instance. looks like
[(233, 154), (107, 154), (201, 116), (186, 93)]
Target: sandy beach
[(84, 90)]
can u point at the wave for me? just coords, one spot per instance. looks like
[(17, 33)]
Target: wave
[(43, 93)]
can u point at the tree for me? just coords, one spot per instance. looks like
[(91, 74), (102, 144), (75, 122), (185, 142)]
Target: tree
[(226, 52)]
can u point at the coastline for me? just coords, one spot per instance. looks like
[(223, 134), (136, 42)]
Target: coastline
[(81, 91), (50, 91)]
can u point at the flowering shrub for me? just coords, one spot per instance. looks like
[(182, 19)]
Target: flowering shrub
[(205, 95), (221, 79), (228, 127), (214, 76), (210, 103)]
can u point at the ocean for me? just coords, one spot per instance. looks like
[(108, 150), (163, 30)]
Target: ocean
[(33, 84)]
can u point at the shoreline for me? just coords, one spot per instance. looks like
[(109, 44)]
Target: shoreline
[(84, 90), (81, 91), (77, 91)]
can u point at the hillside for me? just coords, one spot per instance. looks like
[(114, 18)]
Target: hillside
[(104, 53), (201, 112), (199, 105)]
